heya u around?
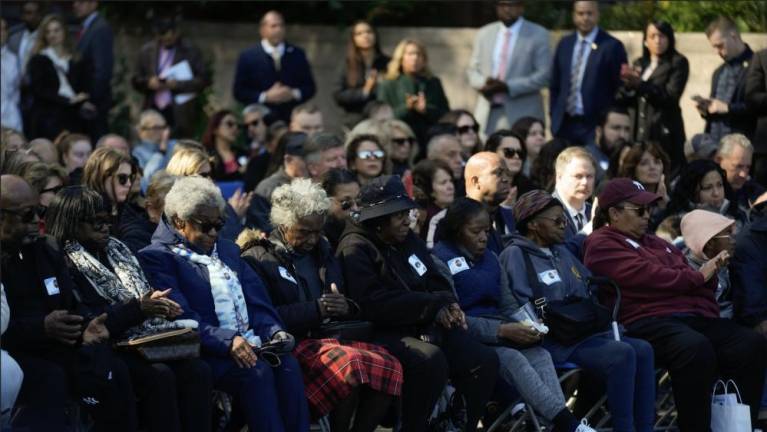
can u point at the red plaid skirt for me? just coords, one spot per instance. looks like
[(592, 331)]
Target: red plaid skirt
[(331, 369)]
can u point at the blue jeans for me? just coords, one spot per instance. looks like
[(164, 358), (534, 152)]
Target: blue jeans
[(628, 368)]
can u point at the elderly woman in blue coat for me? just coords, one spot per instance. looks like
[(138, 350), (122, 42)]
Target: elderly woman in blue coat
[(627, 366), (229, 301)]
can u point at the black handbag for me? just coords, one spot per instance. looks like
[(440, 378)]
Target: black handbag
[(569, 320), (165, 346)]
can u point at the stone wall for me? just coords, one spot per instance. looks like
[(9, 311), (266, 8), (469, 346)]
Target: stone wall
[(449, 52)]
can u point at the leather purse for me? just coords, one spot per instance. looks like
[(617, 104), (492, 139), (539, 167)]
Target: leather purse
[(165, 346)]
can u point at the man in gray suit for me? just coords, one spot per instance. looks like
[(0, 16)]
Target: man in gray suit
[(509, 66)]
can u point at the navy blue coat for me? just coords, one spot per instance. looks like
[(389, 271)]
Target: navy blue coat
[(190, 284), (97, 57), (256, 73), (748, 273), (601, 79)]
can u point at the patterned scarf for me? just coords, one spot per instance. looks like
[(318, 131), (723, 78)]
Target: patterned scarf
[(228, 300), (124, 284)]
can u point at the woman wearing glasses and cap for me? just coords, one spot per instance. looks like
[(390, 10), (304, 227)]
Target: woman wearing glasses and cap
[(175, 395), (342, 188), (389, 272), (672, 306), (214, 287), (538, 264), (343, 378)]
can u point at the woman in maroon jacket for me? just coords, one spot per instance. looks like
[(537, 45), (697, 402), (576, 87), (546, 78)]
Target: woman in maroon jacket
[(672, 306)]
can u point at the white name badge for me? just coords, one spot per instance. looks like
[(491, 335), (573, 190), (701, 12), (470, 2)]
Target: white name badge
[(286, 275), (632, 243), (52, 286), (417, 265), (549, 277), (457, 265)]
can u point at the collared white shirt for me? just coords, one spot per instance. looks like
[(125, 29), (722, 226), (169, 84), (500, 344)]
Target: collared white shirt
[(25, 47), (572, 213), (589, 38), (269, 49), (499, 40), (9, 91)]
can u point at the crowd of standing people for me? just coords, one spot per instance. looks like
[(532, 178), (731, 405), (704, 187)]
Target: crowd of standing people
[(365, 278)]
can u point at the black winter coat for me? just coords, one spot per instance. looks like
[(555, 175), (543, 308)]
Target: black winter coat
[(384, 281)]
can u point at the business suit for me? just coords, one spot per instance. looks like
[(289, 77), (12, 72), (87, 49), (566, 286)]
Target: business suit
[(181, 117), (756, 97), (526, 74), (601, 79), (654, 105), (256, 73), (97, 58)]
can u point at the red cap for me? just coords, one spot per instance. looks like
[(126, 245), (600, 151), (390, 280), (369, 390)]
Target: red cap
[(624, 189)]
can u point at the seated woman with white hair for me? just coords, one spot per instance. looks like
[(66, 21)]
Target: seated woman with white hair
[(706, 234), (304, 280), (226, 297)]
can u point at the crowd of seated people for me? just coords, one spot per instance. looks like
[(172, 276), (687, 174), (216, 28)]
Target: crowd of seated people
[(405, 271)]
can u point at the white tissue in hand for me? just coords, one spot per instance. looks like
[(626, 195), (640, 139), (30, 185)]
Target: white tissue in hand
[(541, 327)]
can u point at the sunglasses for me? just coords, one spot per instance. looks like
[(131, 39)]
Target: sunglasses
[(124, 178), (54, 190), (253, 123), (403, 141), (207, 226), (640, 211), (509, 153), (370, 154), (26, 214), (347, 204), (98, 223), (466, 129)]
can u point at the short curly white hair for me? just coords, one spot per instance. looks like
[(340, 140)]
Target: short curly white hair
[(188, 194), (297, 200)]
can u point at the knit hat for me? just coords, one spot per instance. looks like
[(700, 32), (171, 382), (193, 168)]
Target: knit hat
[(625, 189), (531, 204), (700, 226), (383, 196)]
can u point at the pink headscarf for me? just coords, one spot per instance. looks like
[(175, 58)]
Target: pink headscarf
[(700, 226)]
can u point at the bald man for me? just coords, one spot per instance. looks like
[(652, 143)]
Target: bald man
[(47, 333), (487, 181), (273, 72)]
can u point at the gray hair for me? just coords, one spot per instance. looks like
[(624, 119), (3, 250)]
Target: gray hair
[(728, 142), (188, 194), (297, 200), (256, 107), (319, 143)]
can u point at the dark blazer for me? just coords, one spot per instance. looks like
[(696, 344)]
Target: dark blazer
[(654, 105), (256, 73), (382, 280), (190, 284), (146, 68), (50, 113), (756, 97), (350, 97), (748, 273), (740, 117), (601, 78), (97, 57), (294, 302)]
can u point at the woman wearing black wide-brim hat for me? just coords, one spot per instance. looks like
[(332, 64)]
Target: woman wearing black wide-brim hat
[(389, 272)]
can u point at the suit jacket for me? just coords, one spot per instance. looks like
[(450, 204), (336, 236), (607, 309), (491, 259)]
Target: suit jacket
[(756, 97), (256, 72), (654, 105), (146, 68), (526, 75), (49, 113), (740, 118), (601, 78), (97, 57)]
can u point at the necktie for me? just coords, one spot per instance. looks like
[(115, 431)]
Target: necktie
[(575, 82), (276, 58), (504, 62), (579, 221), (163, 98)]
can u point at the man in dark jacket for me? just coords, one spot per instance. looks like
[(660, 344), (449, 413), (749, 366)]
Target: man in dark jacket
[(94, 44), (274, 73), (55, 344), (756, 97), (161, 76), (749, 270), (726, 110)]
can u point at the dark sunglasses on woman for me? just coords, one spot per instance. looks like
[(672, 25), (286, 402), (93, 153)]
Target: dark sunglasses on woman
[(208, 225), (370, 154), (123, 178), (466, 129), (509, 153)]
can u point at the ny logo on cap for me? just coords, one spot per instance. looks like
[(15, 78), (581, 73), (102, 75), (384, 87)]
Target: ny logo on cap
[(638, 185)]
